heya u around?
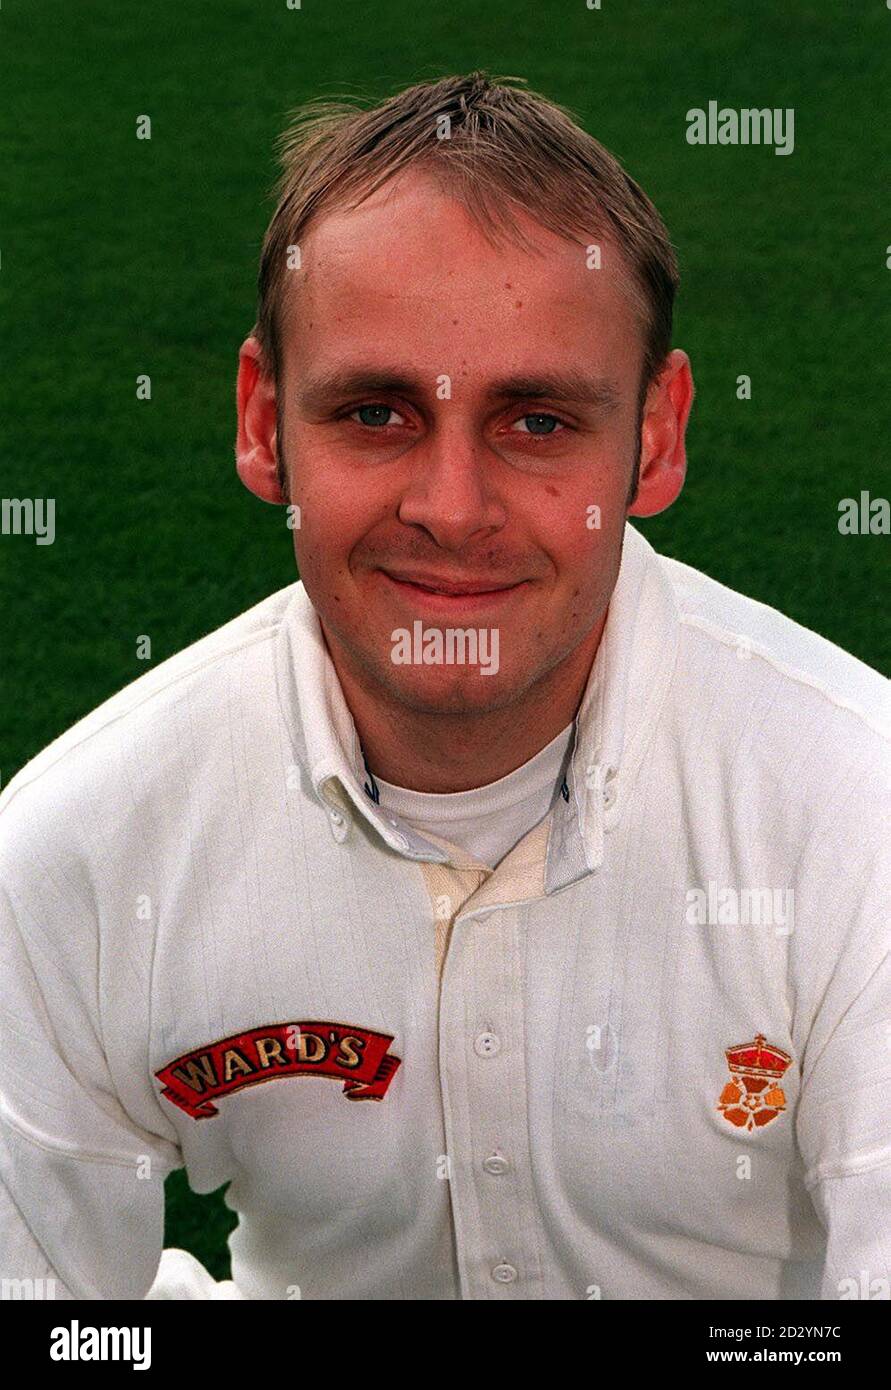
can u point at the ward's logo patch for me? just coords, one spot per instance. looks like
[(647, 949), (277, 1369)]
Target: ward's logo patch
[(356, 1056), (753, 1097)]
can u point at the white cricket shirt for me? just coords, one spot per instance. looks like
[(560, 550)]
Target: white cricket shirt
[(648, 1056)]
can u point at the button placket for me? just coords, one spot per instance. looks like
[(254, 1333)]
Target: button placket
[(484, 1097), (487, 1044)]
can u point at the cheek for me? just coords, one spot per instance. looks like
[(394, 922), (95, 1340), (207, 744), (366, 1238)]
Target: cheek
[(335, 513), (578, 524), (587, 488)]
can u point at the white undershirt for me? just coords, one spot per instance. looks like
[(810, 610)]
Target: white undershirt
[(486, 821)]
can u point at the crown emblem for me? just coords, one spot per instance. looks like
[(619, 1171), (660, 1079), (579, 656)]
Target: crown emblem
[(752, 1099)]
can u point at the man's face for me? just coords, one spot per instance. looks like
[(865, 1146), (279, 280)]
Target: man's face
[(455, 417)]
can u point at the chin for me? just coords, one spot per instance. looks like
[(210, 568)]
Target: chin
[(438, 690)]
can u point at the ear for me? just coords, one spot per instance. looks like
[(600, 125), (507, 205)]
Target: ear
[(663, 453), (255, 444)]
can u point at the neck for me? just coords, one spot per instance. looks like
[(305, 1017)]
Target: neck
[(433, 752)]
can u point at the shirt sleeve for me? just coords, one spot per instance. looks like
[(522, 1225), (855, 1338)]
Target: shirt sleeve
[(856, 1211), (844, 1119), (180, 1276), (81, 1183)]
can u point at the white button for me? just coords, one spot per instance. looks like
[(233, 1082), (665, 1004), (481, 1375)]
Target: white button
[(336, 818), (496, 1164), (487, 1044), (504, 1274)]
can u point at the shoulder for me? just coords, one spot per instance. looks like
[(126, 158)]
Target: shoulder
[(788, 735), (84, 763), (806, 673)]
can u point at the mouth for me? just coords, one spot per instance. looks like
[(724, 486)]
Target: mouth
[(446, 594)]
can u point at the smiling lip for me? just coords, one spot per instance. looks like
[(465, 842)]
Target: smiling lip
[(465, 593), (452, 588)]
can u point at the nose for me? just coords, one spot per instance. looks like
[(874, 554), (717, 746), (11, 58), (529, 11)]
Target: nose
[(450, 492)]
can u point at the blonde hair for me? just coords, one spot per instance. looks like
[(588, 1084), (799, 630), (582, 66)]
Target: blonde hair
[(507, 148)]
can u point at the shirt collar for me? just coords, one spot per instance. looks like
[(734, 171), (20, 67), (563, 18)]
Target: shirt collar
[(617, 717)]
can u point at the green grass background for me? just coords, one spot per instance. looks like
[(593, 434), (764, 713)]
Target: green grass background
[(121, 257)]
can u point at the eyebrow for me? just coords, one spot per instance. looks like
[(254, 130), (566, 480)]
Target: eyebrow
[(317, 393)]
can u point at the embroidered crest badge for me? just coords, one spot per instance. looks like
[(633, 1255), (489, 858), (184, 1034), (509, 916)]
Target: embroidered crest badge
[(752, 1097)]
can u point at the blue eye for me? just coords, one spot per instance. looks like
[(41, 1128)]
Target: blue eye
[(376, 415), (540, 424)]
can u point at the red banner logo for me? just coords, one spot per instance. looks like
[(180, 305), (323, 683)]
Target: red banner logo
[(356, 1056)]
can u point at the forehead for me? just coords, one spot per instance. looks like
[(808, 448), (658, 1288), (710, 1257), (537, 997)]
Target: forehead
[(411, 263)]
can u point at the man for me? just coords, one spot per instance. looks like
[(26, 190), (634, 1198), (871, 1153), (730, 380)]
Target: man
[(559, 864)]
